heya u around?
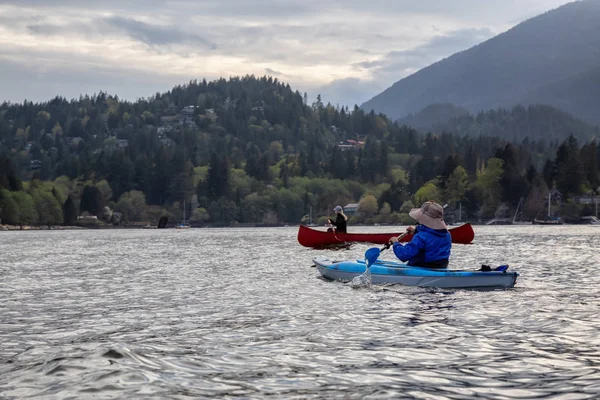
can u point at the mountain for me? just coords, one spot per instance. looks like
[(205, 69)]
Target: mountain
[(535, 122), (578, 95), (553, 59)]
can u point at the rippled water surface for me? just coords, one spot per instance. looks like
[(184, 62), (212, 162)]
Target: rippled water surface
[(240, 313)]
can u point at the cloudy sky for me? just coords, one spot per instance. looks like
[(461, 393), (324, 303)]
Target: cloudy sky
[(346, 50)]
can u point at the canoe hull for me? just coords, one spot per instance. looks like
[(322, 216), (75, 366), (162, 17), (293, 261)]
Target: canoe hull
[(314, 238), (384, 272)]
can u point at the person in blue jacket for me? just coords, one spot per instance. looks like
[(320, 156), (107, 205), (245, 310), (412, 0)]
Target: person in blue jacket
[(431, 244)]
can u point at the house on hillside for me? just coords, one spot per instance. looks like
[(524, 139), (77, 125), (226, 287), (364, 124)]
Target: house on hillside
[(187, 115), (555, 196), (350, 144), (588, 199), (33, 165), (350, 209)]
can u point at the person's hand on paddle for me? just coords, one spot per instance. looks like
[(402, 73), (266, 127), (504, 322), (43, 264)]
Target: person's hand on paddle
[(409, 231)]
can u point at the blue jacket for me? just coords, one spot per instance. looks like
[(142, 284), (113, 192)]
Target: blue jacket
[(427, 246)]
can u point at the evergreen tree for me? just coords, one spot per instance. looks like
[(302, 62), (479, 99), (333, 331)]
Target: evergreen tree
[(512, 182), (91, 201), (569, 171), (350, 164), (122, 172), (8, 176), (217, 184), (589, 159), (395, 196), (9, 209), (549, 173), (70, 211)]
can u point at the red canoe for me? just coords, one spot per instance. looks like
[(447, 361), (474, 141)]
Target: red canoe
[(308, 237)]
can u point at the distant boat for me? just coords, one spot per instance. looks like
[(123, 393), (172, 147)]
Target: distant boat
[(549, 219), (183, 224), (518, 214)]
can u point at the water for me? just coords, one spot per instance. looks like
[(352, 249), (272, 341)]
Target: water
[(240, 313)]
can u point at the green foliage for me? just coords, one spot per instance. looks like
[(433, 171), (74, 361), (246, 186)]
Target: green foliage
[(368, 206), (405, 219), (9, 209), (488, 186), (28, 214), (132, 206), (106, 191), (428, 192), (456, 186), (200, 215), (49, 209)]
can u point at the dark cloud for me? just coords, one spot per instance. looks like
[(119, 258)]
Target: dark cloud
[(155, 35), (149, 34), (46, 29), (273, 72)]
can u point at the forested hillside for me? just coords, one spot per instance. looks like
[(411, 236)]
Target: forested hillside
[(537, 122), (251, 150)]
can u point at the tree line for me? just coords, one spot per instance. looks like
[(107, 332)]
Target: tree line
[(252, 150)]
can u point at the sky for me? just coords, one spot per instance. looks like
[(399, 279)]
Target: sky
[(348, 51)]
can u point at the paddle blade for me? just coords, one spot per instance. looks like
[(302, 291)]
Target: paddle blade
[(371, 256)]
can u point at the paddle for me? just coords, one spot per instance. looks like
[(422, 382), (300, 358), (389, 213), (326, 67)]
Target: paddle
[(372, 254)]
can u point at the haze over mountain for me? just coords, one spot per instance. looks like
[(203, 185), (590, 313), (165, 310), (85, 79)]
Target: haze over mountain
[(551, 59)]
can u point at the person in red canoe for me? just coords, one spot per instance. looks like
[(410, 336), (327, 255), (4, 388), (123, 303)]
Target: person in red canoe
[(340, 223), (431, 244)]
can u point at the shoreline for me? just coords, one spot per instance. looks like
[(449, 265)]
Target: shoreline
[(12, 228)]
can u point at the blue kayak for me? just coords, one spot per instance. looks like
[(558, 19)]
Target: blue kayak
[(390, 272)]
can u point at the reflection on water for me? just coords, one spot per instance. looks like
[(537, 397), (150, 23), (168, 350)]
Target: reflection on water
[(240, 313)]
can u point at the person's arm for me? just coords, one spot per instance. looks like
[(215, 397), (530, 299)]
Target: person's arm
[(409, 250)]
